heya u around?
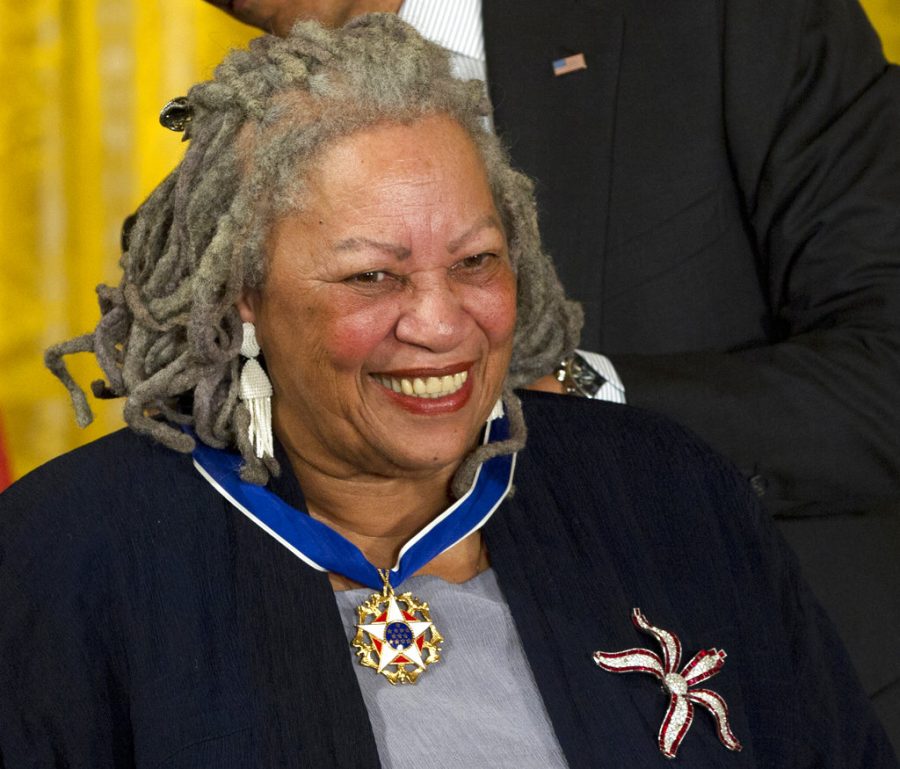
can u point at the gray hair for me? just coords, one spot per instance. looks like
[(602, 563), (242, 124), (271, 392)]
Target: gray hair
[(170, 335)]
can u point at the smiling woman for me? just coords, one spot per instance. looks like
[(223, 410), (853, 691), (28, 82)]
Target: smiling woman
[(323, 314), (395, 270)]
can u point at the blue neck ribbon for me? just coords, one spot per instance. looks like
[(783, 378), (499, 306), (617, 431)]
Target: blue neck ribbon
[(324, 549)]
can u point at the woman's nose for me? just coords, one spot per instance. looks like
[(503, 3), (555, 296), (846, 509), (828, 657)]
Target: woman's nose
[(434, 318)]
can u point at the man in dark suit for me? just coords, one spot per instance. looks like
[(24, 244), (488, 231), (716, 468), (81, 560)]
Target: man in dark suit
[(719, 184)]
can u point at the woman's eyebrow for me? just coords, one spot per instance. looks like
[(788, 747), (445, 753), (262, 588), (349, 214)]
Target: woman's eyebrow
[(485, 222), (360, 244)]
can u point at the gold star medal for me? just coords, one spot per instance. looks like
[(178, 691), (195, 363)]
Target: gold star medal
[(395, 635)]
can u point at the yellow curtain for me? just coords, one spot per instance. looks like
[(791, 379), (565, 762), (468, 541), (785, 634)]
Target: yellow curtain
[(80, 146), (885, 15)]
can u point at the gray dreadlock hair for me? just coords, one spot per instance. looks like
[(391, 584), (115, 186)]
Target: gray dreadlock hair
[(169, 336)]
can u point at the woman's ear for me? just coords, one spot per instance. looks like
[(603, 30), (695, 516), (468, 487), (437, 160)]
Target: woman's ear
[(247, 304)]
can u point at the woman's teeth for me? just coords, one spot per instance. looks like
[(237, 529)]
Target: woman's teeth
[(424, 387)]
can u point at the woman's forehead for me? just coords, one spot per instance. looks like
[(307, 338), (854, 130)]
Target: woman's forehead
[(427, 141), (428, 162), (296, 165), (427, 175)]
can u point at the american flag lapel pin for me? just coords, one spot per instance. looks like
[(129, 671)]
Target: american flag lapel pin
[(569, 64)]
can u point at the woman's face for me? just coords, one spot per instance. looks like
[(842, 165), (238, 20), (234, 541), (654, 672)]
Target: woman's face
[(387, 314)]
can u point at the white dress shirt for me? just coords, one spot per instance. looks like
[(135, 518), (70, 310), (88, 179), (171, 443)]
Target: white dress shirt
[(454, 26)]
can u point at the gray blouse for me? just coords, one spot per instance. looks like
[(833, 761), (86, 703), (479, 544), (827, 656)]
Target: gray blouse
[(478, 705)]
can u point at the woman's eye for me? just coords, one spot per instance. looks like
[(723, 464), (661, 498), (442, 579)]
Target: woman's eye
[(475, 261), (368, 278)]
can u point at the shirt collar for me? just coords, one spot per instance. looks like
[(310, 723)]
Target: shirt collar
[(454, 26)]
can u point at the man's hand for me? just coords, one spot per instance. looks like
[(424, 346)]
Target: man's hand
[(278, 16), (548, 384)]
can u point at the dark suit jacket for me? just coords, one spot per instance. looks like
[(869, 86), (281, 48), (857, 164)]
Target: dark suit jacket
[(720, 188), (147, 623)]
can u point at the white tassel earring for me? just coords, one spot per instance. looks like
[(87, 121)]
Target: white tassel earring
[(256, 392)]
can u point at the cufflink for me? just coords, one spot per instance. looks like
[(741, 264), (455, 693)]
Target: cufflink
[(578, 377)]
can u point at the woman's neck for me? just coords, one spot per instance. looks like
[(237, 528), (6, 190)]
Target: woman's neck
[(380, 515)]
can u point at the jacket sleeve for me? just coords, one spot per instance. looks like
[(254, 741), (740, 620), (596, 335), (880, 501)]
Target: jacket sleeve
[(812, 115), (824, 718), (62, 700)]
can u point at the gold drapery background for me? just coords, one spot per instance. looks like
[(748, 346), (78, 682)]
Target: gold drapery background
[(80, 147), (82, 82)]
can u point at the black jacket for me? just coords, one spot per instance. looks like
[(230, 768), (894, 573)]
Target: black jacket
[(147, 623)]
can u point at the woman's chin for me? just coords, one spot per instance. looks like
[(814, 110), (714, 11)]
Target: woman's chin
[(428, 434)]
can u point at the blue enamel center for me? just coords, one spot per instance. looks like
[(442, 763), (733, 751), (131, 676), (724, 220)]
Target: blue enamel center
[(398, 635)]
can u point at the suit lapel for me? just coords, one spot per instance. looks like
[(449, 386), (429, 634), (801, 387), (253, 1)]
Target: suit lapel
[(559, 129)]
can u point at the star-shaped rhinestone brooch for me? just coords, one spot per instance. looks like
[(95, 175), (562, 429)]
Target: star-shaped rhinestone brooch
[(682, 697)]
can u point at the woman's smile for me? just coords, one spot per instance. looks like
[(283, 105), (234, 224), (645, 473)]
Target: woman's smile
[(428, 393), (425, 387)]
